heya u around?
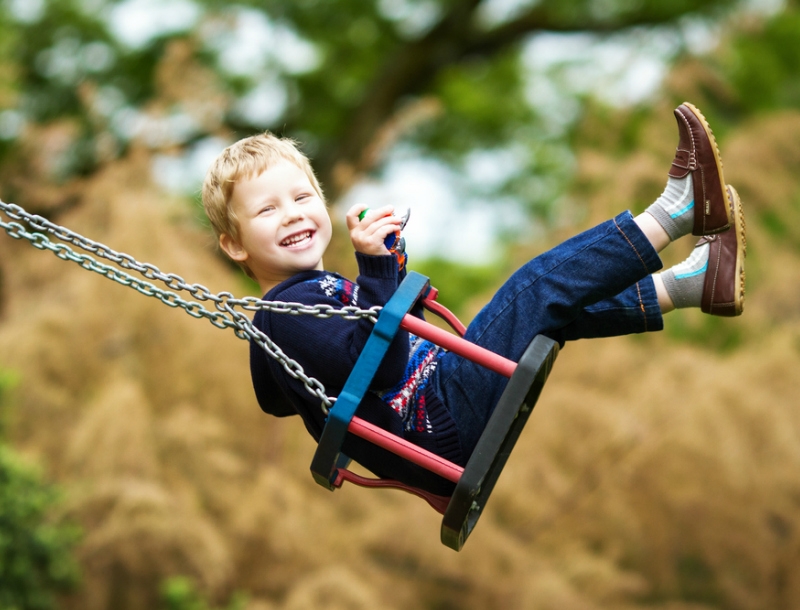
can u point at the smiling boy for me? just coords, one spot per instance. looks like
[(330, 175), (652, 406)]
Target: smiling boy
[(269, 214)]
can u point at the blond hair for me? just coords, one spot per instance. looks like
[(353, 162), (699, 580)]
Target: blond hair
[(242, 160)]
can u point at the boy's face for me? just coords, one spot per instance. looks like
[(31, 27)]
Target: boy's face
[(284, 227)]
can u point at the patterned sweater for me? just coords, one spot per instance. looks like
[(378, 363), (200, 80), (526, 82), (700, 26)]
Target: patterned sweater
[(400, 399)]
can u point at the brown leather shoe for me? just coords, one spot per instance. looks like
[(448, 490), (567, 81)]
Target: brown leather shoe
[(698, 154), (723, 291)]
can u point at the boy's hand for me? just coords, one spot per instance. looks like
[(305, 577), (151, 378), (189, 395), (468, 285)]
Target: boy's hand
[(368, 235)]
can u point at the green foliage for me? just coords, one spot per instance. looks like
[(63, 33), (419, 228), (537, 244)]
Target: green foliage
[(180, 593), (458, 284), (782, 223), (484, 100), (352, 40), (709, 332), (8, 380), (36, 559), (8, 75), (764, 66), (697, 580), (35, 552)]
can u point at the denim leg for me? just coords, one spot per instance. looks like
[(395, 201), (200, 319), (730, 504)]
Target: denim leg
[(552, 293), (634, 310)]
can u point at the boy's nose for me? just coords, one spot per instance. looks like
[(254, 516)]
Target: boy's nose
[(294, 212)]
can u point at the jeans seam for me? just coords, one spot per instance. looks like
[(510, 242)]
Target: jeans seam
[(641, 305), (632, 245), (638, 288)]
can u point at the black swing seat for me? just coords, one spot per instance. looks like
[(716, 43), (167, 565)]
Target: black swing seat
[(473, 483), (497, 441)]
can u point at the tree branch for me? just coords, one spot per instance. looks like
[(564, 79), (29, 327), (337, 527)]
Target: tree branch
[(412, 69)]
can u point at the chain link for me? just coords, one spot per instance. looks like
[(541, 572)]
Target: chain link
[(225, 316)]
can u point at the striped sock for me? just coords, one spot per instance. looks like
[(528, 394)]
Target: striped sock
[(674, 209), (684, 282)]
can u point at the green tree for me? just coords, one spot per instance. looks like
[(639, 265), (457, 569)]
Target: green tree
[(36, 559), (763, 64), (349, 79), (180, 593)]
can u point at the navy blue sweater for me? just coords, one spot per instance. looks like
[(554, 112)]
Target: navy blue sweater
[(401, 399)]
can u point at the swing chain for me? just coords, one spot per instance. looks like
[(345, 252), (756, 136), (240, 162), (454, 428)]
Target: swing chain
[(171, 280), (225, 316)]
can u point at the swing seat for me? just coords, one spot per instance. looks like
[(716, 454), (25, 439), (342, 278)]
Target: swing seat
[(497, 441), (474, 482)]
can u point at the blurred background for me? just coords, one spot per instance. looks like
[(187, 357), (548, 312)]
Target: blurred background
[(136, 469)]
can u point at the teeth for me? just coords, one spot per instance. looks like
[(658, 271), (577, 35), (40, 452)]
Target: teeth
[(296, 239)]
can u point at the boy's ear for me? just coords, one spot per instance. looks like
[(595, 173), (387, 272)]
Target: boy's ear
[(232, 248)]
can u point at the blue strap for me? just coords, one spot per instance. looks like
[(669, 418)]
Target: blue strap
[(323, 466)]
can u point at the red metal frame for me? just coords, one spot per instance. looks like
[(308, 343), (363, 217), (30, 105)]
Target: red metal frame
[(413, 453), (438, 503), (457, 345), (431, 304)]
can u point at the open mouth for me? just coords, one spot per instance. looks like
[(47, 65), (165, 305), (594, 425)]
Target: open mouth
[(298, 239)]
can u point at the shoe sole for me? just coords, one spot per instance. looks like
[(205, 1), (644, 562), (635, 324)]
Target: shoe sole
[(741, 248), (718, 159)]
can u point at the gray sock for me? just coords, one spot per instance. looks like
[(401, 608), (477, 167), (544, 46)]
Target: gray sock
[(674, 209), (684, 282)]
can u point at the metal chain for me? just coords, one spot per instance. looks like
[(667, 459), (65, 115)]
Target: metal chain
[(225, 316)]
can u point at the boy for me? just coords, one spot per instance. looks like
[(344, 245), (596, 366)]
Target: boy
[(269, 214)]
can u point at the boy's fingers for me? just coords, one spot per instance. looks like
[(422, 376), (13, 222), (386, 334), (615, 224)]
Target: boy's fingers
[(361, 212), (352, 216), (386, 210), (375, 213), (384, 226), (369, 227)]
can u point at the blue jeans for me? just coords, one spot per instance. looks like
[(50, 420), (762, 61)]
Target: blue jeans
[(596, 284)]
